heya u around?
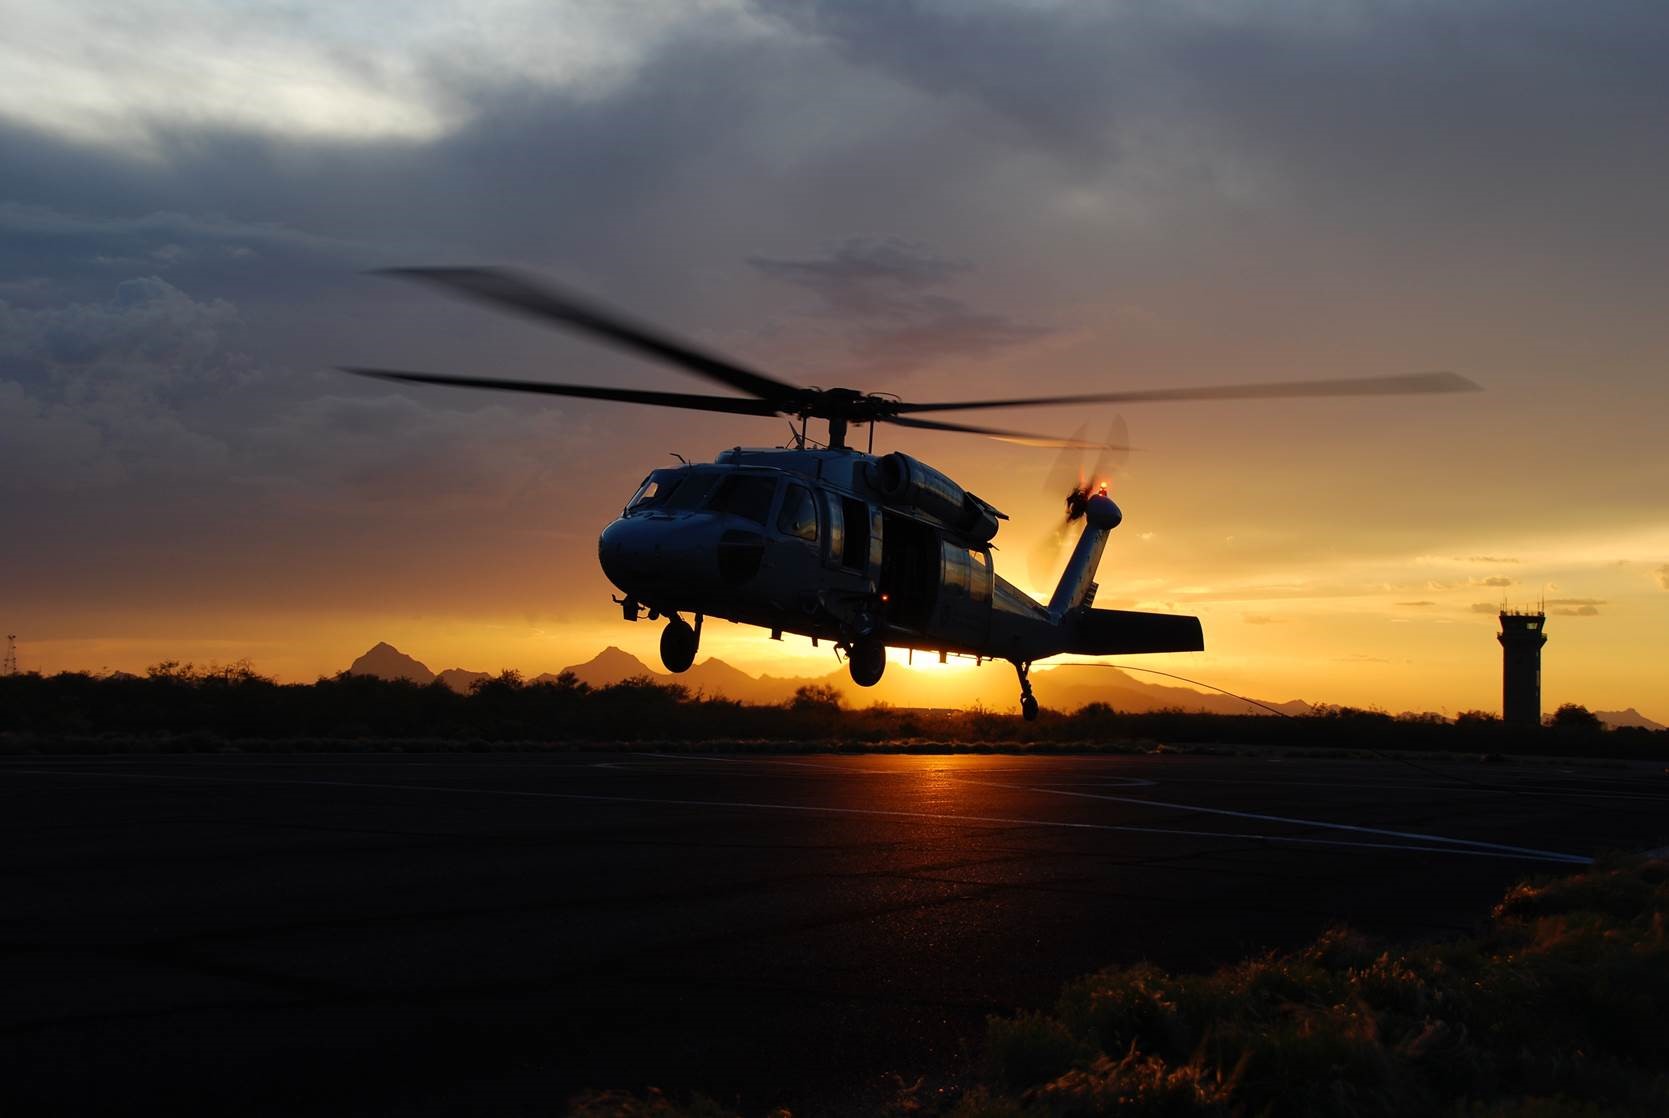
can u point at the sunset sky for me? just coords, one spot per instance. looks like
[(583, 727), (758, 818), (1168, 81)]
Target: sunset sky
[(935, 199)]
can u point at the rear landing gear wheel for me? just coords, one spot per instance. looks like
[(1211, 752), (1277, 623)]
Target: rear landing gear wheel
[(866, 661), (678, 645), (1028, 701)]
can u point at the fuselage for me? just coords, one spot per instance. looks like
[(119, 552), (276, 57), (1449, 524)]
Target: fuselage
[(829, 544)]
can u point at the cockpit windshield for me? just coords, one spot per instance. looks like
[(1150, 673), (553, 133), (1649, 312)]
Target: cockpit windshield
[(680, 489), (691, 489), (687, 488)]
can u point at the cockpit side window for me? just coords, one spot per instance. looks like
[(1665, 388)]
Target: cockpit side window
[(799, 514), (746, 495), (653, 491)]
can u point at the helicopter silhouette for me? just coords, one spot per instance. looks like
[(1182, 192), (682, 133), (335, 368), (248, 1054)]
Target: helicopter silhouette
[(828, 542)]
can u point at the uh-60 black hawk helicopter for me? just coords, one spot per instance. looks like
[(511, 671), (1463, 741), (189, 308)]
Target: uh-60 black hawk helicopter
[(836, 544)]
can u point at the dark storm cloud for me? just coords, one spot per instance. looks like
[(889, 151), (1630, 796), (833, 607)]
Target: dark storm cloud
[(883, 292), (1053, 74), (88, 391), (1335, 84), (1503, 143), (867, 279), (149, 326), (154, 239)]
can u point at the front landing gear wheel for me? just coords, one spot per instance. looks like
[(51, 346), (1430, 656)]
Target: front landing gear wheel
[(866, 661), (1028, 708), (678, 645)]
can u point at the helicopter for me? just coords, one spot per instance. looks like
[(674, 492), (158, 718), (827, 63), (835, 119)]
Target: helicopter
[(825, 541)]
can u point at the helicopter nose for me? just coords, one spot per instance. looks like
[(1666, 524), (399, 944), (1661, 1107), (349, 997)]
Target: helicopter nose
[(622, 550), (640, 554)]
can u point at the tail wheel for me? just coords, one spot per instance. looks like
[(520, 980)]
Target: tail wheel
[(678, 645), (867, 660)]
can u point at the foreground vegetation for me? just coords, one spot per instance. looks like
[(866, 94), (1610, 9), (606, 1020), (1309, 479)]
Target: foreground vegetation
[(1558, 1008), (179, 707)]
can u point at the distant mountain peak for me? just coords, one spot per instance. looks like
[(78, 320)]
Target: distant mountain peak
[(384, 661), (1614, 719), (611, 665)]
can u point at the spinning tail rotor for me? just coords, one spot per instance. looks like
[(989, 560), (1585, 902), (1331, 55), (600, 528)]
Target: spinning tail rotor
[(1080, 478)]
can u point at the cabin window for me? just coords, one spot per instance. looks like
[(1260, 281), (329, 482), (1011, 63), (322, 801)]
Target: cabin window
[(746, 495), (956, 568), (854, 552), (835, 534), (799, 514), (979, 575)]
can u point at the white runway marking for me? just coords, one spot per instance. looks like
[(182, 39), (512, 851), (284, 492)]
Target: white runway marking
[(1320, 823), (1481, 850), (1455, 784)]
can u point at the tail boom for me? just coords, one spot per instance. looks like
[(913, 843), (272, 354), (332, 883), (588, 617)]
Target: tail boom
[(1110, 632)]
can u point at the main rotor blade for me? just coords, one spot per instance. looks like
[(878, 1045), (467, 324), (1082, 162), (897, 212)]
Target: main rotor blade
[(1414, 384), (516, 292), (735, 405), (1020, 437)]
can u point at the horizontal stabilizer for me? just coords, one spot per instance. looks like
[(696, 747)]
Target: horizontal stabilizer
[(1106, 632)]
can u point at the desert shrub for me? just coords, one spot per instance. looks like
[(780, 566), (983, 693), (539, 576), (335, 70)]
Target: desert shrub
[(816, 698)]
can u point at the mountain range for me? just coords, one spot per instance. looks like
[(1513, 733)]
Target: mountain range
[(1066, 687), (992, 685)]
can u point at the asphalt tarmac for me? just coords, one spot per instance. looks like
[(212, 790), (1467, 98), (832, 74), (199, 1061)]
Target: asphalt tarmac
[(490, 933)]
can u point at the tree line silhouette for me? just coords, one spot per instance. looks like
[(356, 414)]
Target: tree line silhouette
[(181, 706)]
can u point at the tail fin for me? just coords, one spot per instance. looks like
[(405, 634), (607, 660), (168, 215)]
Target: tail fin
[(1101, 516)]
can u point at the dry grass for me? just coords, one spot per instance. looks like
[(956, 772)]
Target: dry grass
[(1559, 1007)]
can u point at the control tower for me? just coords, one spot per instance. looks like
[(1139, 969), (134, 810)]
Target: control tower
[(1521, 640)]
